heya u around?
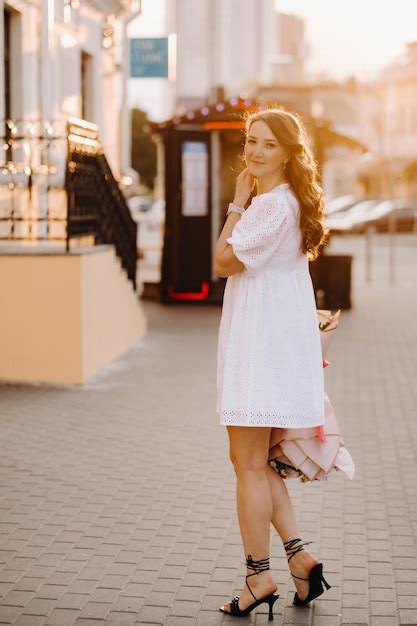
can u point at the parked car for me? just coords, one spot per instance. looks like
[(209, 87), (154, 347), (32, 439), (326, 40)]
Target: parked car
[(341, 203), (365, 218), (152, 222), (345, 220), (377, 213), (405, 220)]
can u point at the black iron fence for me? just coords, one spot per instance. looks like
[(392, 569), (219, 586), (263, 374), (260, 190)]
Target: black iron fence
[(56, 184)]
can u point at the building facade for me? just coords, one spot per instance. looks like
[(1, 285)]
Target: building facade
[(224, 49), (288, 65), (389, 123), (68, 243), (62, 58)]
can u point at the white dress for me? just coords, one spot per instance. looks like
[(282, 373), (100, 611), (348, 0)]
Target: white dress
[(269, 359)]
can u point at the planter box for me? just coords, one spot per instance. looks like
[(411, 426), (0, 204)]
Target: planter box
[(331, 276)]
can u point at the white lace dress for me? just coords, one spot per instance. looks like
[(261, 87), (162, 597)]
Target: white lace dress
[(269, 360)]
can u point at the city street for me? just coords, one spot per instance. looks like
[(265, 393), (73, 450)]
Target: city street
[(117, 499)]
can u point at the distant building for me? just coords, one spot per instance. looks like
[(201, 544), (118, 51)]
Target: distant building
[(390, 121), (224, 48), (288, 65)]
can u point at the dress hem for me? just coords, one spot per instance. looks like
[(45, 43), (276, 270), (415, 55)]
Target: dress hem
[(273, 425)]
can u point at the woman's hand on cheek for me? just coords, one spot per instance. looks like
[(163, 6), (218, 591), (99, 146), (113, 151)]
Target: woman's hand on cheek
[(244, 186)]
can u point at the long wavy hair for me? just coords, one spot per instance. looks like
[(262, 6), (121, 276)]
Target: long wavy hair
[(301, 172)]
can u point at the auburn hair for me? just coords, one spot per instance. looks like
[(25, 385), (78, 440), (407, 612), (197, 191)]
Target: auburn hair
[(301, 172)]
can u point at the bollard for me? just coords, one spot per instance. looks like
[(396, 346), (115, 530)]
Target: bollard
[(392, 222), (368, 253)]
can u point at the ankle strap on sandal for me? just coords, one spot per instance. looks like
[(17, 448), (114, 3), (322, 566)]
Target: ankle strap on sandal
[(259, 566), (292, 548)]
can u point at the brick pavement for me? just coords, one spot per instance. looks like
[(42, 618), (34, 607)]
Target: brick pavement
[(117, 499)]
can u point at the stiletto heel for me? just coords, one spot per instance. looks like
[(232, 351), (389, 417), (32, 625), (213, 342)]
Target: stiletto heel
[(259, 566), (315, 576), (271, 603), (326, 583)]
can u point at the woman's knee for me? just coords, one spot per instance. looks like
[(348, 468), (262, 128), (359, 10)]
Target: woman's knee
[(248, 462), (248, 449)]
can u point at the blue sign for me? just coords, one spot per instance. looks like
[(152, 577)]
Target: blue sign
[(149, 57)]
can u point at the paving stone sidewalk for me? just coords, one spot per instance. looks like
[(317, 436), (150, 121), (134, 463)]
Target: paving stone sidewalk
[(117, 500)]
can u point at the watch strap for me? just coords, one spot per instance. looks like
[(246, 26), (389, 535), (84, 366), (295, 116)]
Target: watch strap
[(233, 208)]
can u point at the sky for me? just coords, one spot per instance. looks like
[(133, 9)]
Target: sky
[(354, 36)]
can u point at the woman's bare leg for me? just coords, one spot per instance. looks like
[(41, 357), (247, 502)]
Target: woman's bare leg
[(249, 454), (285, 523)]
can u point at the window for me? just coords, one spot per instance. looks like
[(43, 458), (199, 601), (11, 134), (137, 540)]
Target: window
[(12, 51)]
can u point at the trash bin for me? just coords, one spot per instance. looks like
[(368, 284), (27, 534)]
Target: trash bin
[(331, 276)]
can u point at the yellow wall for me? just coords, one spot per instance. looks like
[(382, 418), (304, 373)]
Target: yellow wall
[(64, 316)]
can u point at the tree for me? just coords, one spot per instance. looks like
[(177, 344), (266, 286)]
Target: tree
[(143, 148)]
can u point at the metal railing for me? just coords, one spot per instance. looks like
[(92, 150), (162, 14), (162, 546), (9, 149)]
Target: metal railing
[(56, 184)]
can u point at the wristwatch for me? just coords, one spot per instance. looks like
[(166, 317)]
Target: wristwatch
[(233, 208)]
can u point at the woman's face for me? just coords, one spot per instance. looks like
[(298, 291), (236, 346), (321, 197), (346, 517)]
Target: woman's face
[(264, 155)]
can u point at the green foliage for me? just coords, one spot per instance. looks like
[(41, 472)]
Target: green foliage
[(143, 149)]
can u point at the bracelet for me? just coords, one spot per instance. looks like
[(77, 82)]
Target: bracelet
[(233, 208)]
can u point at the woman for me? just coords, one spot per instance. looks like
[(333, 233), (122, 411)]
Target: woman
[(269, 370)]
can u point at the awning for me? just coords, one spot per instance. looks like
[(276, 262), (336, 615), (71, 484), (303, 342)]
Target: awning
[(225, 114), (331, 137)]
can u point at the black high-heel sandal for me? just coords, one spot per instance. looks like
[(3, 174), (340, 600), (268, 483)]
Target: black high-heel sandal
[(315, 576), (270, 599)]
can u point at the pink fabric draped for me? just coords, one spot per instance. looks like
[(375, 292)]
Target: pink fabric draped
[(318, 450)]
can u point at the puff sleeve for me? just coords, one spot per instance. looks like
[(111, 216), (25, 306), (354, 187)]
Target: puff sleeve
[(258, 233)]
